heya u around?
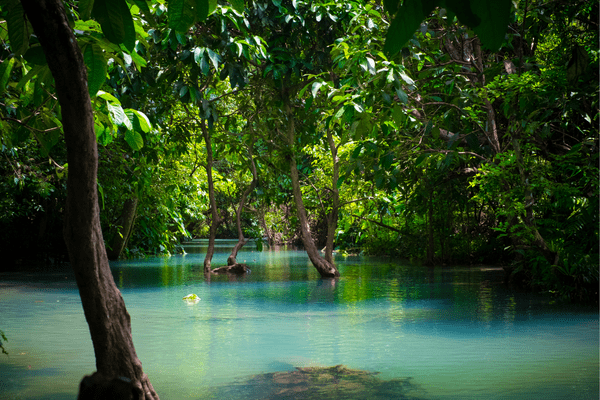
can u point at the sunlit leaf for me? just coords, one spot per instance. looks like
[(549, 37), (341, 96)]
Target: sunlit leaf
[(96, 65), (5, 71), (134, 140)]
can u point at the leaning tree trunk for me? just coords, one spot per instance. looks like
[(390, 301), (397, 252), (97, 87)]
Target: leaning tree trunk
[(325, 268), (103, 305), (232, 259), (332, 216), (215, 219)]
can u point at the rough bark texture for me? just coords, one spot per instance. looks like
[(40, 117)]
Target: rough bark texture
[(102, 302), (121, 234), (232, 259), (325, 268), (215, 219)]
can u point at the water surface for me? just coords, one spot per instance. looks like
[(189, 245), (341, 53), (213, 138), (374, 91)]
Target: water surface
[(458, 332)]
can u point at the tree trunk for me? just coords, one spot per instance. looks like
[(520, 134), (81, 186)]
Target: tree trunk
[(231, 260), (332, 216), (215, 219), (121, 236), (430, 237), (325, 268), (103, 305)]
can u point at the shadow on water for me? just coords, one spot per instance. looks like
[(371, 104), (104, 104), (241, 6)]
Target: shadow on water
[(316, 383)]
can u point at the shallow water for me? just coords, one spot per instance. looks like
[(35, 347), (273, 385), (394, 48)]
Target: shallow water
[(458, 332)]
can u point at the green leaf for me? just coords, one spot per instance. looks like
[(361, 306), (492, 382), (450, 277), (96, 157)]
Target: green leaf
[(421, 158), (238, 5), (108, 97), (402, 96), (103, 134), (399, 116), (17, 28), (142, 5), (405, 23), (139, 120), (315, 88), (214, 57), (29, 76), (5, 71), (85, 9), (181, 15), (198, 54), (117, 116), (464, 12), (116, 21), (134, 140), (202, 7), (495, 16), (96, 66), (35, 55)]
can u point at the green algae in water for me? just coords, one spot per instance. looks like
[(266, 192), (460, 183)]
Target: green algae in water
[(318, 383)]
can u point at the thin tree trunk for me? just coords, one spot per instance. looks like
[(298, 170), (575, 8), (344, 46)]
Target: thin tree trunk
[(215, 219), (332, 216), (121, 236), (231, 260), (430, 241), (103, 305), (325, 268)]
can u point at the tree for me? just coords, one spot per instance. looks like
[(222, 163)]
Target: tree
[(103, 305)]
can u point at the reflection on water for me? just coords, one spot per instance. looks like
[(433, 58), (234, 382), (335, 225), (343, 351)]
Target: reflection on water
[(458, 332)]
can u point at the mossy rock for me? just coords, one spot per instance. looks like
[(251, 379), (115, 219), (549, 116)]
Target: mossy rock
[(337, 382)]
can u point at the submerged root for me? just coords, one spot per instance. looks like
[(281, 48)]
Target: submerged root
[(235, 269)]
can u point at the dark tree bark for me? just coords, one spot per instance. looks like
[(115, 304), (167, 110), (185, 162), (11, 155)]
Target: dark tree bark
[(103, 305), (325, 268), (215, 218), (232, 259), (123, 232)]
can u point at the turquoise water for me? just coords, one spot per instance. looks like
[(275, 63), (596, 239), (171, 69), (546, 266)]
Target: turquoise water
[(458, 332)]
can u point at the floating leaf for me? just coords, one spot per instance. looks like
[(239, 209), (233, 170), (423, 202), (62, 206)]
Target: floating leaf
[(191, 298)]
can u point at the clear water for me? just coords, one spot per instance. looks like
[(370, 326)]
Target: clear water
[(457, 331)]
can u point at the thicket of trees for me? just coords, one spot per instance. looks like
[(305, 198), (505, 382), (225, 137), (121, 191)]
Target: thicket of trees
[(442, 150), (334, 124)]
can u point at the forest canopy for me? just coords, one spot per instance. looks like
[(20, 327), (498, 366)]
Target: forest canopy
[(409, 128)]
